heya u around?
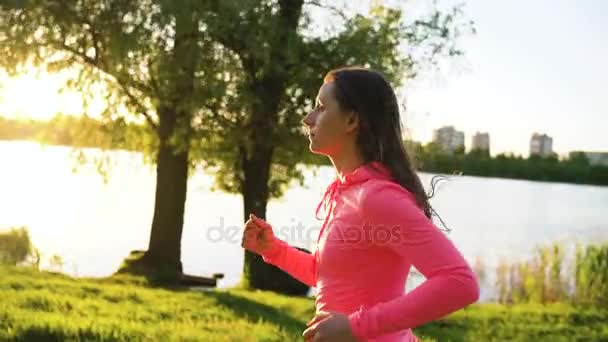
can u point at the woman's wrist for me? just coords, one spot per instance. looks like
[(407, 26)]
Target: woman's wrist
[(274, 247)]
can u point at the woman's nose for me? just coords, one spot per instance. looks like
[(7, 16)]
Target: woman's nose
[(308, 119)]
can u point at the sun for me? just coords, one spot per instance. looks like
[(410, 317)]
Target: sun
[(36, 95)]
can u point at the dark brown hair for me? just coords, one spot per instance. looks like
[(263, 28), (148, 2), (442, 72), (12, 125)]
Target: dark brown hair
[(380, 138)]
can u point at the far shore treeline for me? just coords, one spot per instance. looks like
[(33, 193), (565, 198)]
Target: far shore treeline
[(66, 130)]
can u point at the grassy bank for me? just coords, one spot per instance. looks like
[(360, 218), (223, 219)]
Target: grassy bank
[(40, 306)]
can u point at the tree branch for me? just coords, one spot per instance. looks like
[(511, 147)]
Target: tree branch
[(139, 106), (335, 10), (153, 81), (123, 83), (98, 63)]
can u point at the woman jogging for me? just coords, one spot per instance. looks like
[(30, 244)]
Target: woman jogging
[(377, 224)]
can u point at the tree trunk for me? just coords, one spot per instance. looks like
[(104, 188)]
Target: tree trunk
[(257, 273), (162, 261), (255, 197), (256, 160), (164, 250)]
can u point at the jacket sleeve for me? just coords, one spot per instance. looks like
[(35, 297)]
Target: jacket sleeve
[(450, 282), (298, 264)]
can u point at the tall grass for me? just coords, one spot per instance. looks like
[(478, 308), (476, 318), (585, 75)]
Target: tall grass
[(556, 273), (591, 277)]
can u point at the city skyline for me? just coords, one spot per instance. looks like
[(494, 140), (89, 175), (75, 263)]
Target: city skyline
[(450, 138)]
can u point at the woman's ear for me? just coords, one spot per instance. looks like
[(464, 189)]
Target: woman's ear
[(352, 123)]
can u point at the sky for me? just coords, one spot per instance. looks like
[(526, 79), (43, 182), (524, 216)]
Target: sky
[(532, 66)]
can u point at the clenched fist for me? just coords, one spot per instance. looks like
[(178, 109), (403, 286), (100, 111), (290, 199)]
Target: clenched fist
[(257, 236)]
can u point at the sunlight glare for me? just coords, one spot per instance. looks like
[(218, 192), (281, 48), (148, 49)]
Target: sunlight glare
[(36, 95)]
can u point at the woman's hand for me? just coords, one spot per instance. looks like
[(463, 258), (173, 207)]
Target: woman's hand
[(257, 236), (329, 326)]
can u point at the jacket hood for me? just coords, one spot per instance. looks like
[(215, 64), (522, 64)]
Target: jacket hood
[(373, 170), (365, 172)]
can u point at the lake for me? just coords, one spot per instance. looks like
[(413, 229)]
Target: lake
[(93, 225)]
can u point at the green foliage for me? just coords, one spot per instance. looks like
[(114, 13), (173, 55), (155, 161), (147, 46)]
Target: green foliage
[(78, 132), (591, 276), (552, 277), (127, 51), (277, 63), (147, 58), (16, 247), (41, 306), (239, 52), (11, 129)]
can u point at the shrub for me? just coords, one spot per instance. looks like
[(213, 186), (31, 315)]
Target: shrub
[(16, 247)]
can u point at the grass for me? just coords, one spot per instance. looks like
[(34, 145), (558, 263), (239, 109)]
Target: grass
[(555, 274), (42, 306), (520, 322)]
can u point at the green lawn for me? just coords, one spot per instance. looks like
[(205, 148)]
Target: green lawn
[(40, 306)]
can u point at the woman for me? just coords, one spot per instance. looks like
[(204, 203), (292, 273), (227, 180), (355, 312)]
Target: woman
[(377, 224)]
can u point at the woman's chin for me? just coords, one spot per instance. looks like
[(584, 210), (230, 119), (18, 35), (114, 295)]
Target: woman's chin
[(314, 148)]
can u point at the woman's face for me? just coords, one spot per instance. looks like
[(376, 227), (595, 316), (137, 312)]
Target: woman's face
[(329, 128)]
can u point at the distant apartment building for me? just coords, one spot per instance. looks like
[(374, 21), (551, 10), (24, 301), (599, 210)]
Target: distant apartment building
[(480, 142), (594, 158), (449, 138), (541, 145), (597, 158)]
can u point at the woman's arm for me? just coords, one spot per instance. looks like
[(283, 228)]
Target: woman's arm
[(298, 264), (451, 284)]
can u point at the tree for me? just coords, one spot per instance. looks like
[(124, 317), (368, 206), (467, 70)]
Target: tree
[(479, 153), (223, 83), (154, 58), (16, 246), (578, 158), (459, 151), (281, 69)]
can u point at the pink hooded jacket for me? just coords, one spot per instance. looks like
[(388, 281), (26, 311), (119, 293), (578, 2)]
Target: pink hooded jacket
[(372, 234)]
